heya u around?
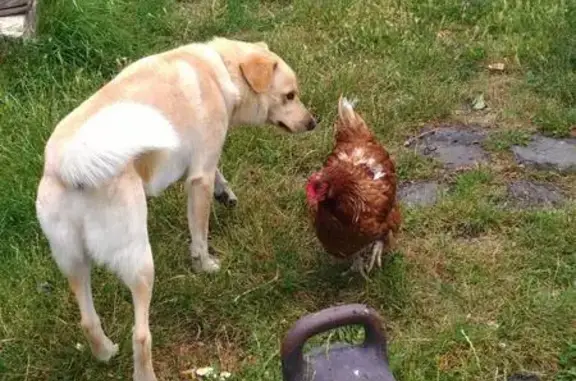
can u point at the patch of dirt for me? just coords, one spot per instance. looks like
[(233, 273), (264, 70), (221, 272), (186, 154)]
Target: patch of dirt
[(496, 88), (430, 262), (485, 118), (469, 229), (489, 249), (173, 362), (453, 359)]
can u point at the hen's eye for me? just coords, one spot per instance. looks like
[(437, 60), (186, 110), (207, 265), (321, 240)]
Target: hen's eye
[(290, 96)]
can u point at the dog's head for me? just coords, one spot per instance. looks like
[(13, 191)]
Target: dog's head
[(272, 95)]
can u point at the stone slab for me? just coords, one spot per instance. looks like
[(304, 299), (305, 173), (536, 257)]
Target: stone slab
[(455, 146), (420, 193), (547, 153), (529, 193)]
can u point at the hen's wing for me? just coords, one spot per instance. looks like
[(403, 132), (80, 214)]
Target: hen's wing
[(376, 189)]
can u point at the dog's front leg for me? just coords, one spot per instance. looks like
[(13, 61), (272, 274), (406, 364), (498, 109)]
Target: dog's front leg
[(222, 191), (200, 191)]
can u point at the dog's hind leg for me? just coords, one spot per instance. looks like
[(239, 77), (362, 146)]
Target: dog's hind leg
[(79, 280), (116, 235), (61, 228), (140, 280), (222, 191), (68, 251)]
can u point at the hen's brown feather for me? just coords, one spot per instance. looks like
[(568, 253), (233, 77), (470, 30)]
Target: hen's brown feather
[(360, 206)]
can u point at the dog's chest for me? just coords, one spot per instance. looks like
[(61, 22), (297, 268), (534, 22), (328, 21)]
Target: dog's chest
[(169, 170)]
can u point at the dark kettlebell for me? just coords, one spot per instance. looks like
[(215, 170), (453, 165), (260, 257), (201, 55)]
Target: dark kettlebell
[(339, 362)]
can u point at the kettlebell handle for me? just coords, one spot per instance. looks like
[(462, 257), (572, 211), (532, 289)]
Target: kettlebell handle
[(325, 320)]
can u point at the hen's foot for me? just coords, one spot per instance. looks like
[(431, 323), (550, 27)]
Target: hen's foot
[(366, 258)]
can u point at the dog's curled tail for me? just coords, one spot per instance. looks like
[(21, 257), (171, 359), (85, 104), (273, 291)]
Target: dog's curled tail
[(109, 140)]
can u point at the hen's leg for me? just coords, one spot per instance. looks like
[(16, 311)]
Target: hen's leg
[(376, 257), (366, 258)]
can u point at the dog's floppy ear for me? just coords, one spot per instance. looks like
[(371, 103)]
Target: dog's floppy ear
[(262, 44), (258, 71)]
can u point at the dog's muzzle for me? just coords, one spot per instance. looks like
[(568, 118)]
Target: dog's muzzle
[(312, 123)]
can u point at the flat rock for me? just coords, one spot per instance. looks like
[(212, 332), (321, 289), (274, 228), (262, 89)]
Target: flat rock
[(455, 146), (529, 193), (421, 193), (548, 153)]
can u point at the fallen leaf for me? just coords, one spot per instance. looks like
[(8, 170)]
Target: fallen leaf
[(443, 33), (499, 66), (478, 103), (493, 324), (204, 372)]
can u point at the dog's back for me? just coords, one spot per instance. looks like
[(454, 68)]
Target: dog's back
[(148, 107)]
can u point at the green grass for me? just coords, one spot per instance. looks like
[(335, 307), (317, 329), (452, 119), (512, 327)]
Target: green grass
[(475, 291)]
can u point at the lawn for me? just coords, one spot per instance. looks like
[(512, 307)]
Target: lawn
[(476, 290)]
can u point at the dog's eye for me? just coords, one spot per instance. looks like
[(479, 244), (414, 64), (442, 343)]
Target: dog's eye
[(290, 96)]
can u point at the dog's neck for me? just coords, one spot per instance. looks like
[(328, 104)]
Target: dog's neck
[(247, 108)]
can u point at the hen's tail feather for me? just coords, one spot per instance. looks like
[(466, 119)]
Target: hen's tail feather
[(110, 139), (349, 104), (350, 124)]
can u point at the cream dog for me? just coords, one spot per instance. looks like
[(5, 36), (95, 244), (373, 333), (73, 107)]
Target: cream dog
[(162, 118)]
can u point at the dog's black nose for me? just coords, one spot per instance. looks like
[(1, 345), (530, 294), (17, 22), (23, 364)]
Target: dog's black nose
[(311, 124)]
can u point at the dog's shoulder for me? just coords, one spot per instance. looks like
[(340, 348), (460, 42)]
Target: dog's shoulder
[(207, 64)]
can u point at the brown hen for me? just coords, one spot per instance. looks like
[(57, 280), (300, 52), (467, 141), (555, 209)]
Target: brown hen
[(352, 200)]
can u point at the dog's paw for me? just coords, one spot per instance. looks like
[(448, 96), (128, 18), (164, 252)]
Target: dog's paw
[(227, 198), (105, 351), (209, 264)]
